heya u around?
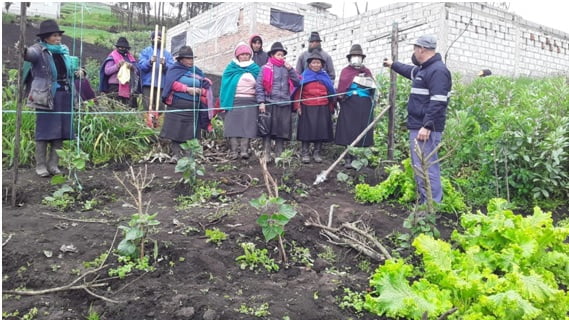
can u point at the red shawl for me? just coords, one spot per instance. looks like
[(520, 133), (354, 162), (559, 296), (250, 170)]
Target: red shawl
[(347, 76)]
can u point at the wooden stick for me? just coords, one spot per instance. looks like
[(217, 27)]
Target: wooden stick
[(151, 98), (162, 42), (77, 220), (9, 238), (22, 43), (369, 237), (322, 176), (70, 286)]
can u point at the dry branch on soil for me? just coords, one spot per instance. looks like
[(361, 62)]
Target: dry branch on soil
[(71, 286), (349, 234)]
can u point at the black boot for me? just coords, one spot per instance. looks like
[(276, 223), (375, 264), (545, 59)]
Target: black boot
[(233, 144), (279, 147), (267, 148), (41, 168), (316, 153), (176, 152), (305, 152), (53, 162), (244, 148), (348, 161)]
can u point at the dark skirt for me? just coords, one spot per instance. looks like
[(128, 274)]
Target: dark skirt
[(281, 121), (356, 114), (315, 124), (241, 121), (113, 93), (56, 124), (181, 126)]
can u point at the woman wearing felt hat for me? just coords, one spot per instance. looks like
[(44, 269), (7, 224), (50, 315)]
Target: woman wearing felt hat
[(52, 71), (314, 101), (274, 87), (237, 98), (356, 104), (186, 91), (120, 76)]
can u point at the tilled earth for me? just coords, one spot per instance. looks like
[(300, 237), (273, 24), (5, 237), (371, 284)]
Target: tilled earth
[(193, 279)]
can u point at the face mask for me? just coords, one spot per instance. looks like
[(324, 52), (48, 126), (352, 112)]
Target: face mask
[(356, 61), (414, 60), (122, 51)]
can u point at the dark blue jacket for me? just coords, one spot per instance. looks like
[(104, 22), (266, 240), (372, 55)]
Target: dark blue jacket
[(430, 93), (145, 66)]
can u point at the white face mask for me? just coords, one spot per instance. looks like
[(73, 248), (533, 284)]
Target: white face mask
[(356, 61)]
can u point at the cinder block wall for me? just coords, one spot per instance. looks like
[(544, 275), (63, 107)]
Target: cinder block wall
[(472, 36), (254, 18)]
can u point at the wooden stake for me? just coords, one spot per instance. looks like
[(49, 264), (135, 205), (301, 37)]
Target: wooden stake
[(20, 49), (392, 93)]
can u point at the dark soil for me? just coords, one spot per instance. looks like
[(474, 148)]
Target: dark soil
[(191, 276), (11, 35)]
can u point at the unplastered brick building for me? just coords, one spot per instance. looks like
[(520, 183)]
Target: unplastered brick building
[(471, 36)]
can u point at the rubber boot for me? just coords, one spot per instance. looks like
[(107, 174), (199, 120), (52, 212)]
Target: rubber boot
[(41, 169), (348, 161), (233, 144), (279, 147), (53, 162), (316, 153), (267, 149), (176, 152), (244, 148), (305, 152)]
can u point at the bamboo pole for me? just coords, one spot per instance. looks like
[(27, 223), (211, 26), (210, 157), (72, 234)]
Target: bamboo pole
[(20, 49), (151, 117)]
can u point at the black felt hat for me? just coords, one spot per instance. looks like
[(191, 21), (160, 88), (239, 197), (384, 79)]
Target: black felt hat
[(356, 50), (48, 27), (122, 42), (315, 55), (154, 33), (185, 52), (314, 36), (277, 46)]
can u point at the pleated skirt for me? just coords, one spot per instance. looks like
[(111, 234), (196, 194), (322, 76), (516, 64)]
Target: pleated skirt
[(56, 124), (241, 121), (315, 124), (281, 121), (181, 122), (355, 115)]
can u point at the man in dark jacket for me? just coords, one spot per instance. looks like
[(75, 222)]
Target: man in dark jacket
[(260, 57), (426, 108), (315, 44)]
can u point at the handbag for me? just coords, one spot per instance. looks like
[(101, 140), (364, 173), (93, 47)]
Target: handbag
[(40, 96), (264, 124)]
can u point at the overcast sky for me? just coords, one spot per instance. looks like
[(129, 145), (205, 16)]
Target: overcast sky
[(548, 13)]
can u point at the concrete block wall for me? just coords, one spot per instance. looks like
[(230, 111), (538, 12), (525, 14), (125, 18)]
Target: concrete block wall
[(373, 32), (503, 42), (254, 18), (472, 36)]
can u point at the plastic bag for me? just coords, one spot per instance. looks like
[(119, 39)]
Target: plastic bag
[(264, 124)]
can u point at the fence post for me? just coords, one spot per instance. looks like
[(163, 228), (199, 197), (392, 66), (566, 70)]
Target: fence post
[(20, 94), (392, 92)]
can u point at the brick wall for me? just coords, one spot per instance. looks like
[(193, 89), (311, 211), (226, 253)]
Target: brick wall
[(472, 36)]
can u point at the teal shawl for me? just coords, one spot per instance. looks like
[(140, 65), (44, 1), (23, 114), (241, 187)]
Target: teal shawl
[(63, 50), (229, 81)]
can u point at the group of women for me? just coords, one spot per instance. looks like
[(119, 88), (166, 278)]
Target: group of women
[(276, 90), (273, 89)]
